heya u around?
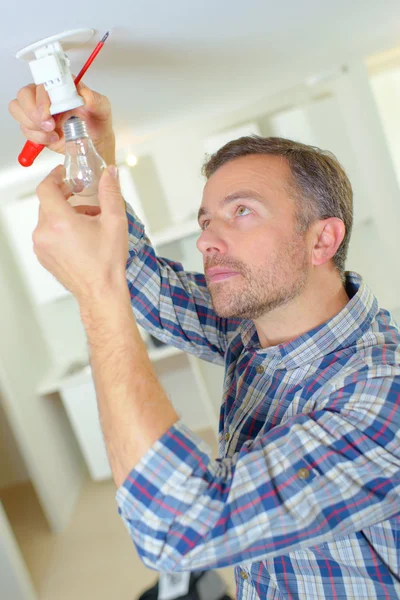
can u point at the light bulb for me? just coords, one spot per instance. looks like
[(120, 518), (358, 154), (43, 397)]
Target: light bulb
[(83, 164)]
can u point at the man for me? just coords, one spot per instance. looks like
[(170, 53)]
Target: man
[(305, 497)]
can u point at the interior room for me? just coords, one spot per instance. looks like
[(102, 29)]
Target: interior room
[(183, 78)]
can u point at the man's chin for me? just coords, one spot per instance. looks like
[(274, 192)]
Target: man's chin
[(224, 310), (227, 308), (224, 314), (220, 308), (225, 303)]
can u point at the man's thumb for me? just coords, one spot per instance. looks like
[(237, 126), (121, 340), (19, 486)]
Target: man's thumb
[(95, 103), (110, 197)]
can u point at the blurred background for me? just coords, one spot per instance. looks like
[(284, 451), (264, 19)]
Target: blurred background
[(183, 78)]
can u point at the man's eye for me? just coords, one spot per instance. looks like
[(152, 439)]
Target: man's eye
[(204, 225), (241, 209)]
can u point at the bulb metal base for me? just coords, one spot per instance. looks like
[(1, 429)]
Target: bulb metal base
[(74, 129)]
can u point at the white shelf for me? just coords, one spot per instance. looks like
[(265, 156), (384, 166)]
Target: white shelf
[(161, 353), (175, 233), (20, 219), (58, 377)]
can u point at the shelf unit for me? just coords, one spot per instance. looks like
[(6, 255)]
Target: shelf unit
[(175, 370), (175, 233)]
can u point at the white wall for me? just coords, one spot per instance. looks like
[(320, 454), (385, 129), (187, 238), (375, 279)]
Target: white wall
[(62, 328), (39, 425), (386, 89), (12, 466)]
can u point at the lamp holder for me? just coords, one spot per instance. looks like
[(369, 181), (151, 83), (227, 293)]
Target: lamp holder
[(50, 66)]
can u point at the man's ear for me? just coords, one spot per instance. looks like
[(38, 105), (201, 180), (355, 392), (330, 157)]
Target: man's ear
[(329, 234)]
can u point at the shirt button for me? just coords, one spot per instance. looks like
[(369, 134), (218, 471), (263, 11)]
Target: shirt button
[(303, 473), (243, 575), (227, 437), (260, 369)]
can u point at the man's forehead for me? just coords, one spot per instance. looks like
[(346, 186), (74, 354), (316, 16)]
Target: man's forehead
[(258, 172)]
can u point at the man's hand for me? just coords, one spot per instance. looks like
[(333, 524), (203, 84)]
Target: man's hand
[(85, 248), (31, 109)]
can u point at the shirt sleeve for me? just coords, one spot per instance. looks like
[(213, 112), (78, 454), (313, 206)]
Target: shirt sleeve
[(172, 304), (328, 473)]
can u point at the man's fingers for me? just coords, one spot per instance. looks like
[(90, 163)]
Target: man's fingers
[(19, 115), (24, 110), (109, 194), (39, 137), (42, 104), (86, 209), (53, 193), (92, 211), (26, 98), (59, 175), (95, 103)]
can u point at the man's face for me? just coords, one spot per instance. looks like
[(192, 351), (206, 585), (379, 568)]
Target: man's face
[(254, 259)]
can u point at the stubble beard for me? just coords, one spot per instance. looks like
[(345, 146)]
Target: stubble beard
[(256, 292)]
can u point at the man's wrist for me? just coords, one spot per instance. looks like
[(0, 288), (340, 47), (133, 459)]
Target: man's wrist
[(105, 302)]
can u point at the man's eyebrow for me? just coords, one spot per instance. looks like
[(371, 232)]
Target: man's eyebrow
[(249, 194)]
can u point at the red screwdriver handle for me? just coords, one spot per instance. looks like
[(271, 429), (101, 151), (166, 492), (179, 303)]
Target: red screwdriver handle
[(29, 153)]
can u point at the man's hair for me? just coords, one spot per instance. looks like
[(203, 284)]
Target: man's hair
[(318, 184)]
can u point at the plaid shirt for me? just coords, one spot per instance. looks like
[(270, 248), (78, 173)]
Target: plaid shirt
[(304, 500)]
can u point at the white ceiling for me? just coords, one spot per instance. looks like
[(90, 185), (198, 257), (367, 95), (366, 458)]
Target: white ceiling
[(164, 60)]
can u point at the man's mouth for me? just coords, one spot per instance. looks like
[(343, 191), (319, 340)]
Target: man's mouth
[(219, 274)]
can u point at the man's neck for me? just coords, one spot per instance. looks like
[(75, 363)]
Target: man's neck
[(319, 302)]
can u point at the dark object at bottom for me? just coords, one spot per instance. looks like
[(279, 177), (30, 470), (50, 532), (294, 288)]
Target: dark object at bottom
[(204, 585), (156, 342)]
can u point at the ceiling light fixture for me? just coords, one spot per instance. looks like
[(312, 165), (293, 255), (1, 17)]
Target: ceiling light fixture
[(131, 160)]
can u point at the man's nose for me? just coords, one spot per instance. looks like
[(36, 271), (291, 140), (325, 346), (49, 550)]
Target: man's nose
[(212, 240)]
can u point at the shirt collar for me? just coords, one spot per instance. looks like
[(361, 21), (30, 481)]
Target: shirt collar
[(339, 332)]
